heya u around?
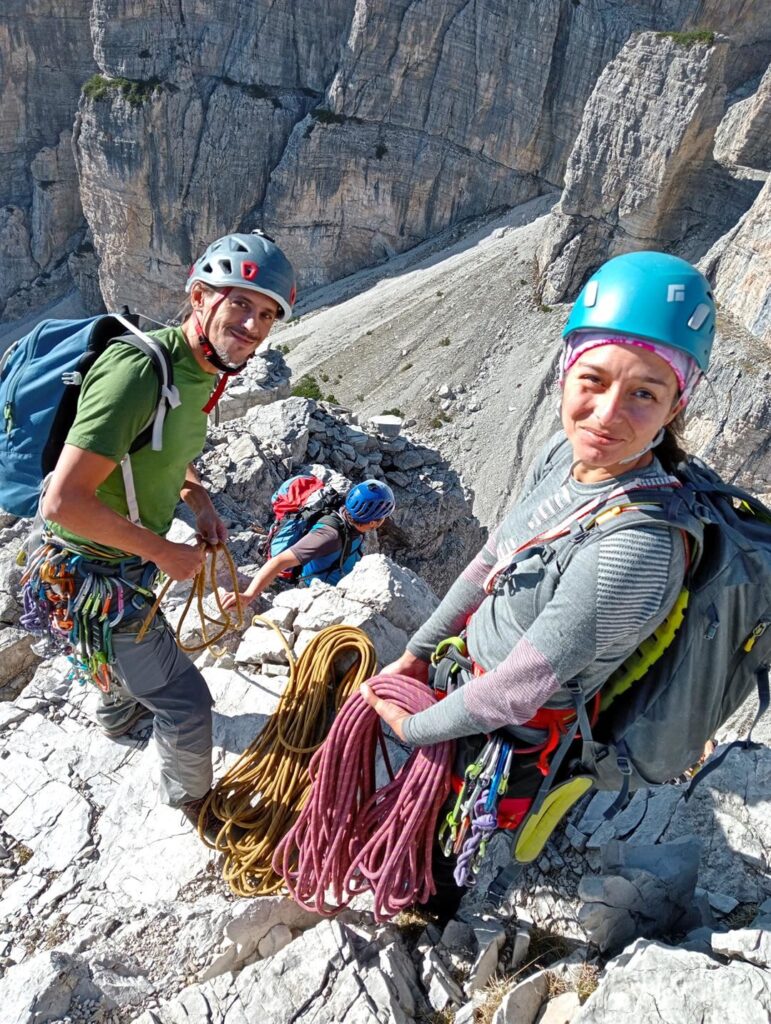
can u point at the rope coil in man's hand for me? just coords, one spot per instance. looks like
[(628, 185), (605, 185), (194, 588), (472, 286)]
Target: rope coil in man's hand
[(260, 796), (198, 591), (350, 837)]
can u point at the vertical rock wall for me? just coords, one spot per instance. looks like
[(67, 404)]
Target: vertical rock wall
[(647, 132), (45, 54), (351, 130)]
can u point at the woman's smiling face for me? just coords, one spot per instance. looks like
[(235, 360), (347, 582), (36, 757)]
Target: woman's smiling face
[(615, 400)]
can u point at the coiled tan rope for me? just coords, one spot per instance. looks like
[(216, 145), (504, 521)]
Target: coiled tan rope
[(198, 591), (260, 796)]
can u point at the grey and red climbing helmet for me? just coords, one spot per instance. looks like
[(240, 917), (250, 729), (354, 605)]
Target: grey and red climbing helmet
[(248, 261), (370, 500)]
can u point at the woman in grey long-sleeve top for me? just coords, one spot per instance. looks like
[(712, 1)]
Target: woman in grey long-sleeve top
[(636, 344)]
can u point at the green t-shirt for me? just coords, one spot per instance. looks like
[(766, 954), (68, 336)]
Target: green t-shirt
[(118, 397)]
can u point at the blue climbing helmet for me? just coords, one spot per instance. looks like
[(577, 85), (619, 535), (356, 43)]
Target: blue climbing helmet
[(649, 295), (248, 261), (369, 500)]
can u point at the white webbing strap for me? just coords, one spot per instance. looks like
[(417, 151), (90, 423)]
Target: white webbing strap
[(600, 501), (131, 494), (169, 393)]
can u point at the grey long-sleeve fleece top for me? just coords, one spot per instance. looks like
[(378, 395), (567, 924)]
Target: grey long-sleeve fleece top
[(549, 626)]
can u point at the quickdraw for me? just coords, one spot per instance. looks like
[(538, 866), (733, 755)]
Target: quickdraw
[(76, 604), (467, 829)]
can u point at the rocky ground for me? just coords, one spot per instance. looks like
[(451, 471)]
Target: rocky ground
[(112, 910)]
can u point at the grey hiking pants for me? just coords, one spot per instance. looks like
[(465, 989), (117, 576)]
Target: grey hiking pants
[(160, 677)]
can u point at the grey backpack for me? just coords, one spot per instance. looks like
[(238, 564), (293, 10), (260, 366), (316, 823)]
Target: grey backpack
[(666, 701)]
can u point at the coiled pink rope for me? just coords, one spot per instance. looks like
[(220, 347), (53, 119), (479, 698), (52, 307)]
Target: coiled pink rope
[(350, 837)]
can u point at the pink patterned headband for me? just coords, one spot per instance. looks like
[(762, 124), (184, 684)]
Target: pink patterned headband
[(682, 365)]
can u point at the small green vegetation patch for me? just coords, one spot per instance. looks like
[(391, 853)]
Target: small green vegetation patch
[(255, 91), (307, 387), (699, 37), (444, 342), (99, 88), (392, 412)]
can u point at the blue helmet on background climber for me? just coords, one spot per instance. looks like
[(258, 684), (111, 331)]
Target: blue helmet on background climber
[(248, 261), (370, 500), (649, 295)]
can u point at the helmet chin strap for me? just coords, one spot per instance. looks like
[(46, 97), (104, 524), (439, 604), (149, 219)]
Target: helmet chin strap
[(652, 444), (212, 355), (209, 351)]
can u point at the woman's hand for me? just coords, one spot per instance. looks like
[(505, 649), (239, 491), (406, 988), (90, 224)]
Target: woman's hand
[(391, 713), (407, 665)]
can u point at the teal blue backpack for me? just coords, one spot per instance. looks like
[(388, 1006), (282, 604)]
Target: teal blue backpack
[(40, 378)]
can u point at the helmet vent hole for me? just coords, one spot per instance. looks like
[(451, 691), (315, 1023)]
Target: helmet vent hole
[(226, 266), (590, 293), (698, 316)]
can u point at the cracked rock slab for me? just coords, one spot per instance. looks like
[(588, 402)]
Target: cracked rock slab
[(634, 989), (317, 977)]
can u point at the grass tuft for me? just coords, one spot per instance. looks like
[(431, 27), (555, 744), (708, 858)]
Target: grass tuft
[(699, 37), (99, 88), (307, 387)]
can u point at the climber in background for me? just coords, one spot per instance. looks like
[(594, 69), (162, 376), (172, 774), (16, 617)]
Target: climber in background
[(323, 547)]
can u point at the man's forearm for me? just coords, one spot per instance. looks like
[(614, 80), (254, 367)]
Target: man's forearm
[(269, 571), (193, 492)]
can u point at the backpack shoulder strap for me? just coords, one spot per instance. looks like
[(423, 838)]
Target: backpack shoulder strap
[(645, 494), (168, 398), (668, 512), (168, 395), (346, 533), (335, 520)]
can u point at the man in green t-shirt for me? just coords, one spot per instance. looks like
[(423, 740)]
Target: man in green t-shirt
[(238, 288)]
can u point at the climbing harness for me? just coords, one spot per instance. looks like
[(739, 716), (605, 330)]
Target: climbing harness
[(350, 836), (260, 796), (198, 593), (76, 602), (481, 805), (75, 597)]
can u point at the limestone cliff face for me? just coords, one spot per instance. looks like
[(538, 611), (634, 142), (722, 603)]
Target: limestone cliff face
[(647, 133), (740, 266), (45, 54), (351, 130), (152, 208), (744, 136)]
